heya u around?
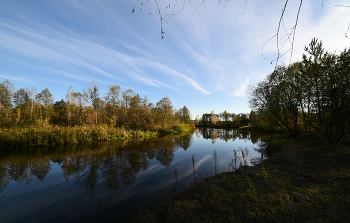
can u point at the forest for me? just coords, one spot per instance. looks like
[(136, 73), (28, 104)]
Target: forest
[(312, 95), (30, 118), (223, 119)]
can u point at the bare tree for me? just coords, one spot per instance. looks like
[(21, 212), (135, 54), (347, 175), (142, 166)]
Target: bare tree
[(32, 96), (69, 100)]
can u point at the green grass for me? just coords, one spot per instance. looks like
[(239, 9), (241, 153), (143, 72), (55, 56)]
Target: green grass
[(268, 192), (176, 129)]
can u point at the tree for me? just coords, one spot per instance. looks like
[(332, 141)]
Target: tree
[(6, 98), (112, 98), (166, 108), (126, 100), (277, 96), (46, 99), (226, 115), (22, 102), (253, 118), (92, 95), (325, 78), (197, 119), (21, 97), (244, 120), (186, 115), (134, 111), (59, 116), (312, 95), (32, 96), (214, 118), (69, 103), (79, 100)]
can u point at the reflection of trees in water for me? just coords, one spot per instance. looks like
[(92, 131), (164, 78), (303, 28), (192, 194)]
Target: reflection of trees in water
[(41, 168), (214, 136), (4, 177), (222, 134), (184, 141), (21, 172), (87, 178), (232, 134), (116, 164), (258, 139), (24, 170)]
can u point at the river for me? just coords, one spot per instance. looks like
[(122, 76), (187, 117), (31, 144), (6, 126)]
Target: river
[(107, 182)]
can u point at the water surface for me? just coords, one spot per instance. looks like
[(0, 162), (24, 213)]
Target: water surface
[(107, 182)]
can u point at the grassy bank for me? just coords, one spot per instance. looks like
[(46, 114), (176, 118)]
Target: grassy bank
[(175, 129), (48, 135), (306, 180)]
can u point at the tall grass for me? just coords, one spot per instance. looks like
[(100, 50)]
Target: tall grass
[(172, 129), (53, 135), (48, 135)]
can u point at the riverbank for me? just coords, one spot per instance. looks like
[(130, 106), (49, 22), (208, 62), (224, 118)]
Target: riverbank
[(48, 135), (305, 180)]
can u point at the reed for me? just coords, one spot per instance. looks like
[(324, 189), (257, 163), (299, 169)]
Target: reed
[(54, 135), (48, 135)]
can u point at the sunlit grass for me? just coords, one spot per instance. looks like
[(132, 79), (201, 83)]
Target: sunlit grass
[(48, 135)]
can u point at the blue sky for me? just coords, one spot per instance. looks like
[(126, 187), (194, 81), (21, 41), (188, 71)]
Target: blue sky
[(208, 57)]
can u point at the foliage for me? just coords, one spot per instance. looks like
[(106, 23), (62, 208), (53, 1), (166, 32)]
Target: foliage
[(224, 119), (214, 118), (23, 108), (30, 119), (312, 95)]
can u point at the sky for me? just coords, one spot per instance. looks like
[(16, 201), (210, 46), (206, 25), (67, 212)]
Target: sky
[(208, 57)]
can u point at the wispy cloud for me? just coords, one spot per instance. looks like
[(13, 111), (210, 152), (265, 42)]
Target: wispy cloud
[(91, 56), (16, 78), (241, 91), (182, 77)]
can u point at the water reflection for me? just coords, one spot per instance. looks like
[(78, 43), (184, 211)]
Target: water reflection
[(232, 134), (109, 180), (117, 164)]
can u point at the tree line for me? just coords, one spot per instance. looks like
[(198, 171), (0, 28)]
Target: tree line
[(223, 118), (310, 95), (26, 107)]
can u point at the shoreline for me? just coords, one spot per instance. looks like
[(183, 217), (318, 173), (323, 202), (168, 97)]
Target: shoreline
[(306, 180)]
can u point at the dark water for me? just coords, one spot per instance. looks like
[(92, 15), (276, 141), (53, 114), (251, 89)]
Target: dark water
[(107, 182)]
